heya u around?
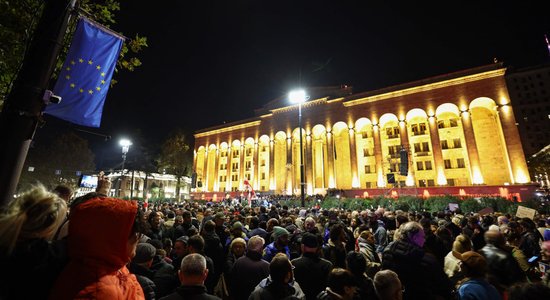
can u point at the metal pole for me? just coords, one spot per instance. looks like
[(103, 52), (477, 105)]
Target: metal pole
[(302, 183), (24, 105), (132, 186)]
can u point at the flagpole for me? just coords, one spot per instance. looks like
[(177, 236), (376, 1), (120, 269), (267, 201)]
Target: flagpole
[(23, 107)]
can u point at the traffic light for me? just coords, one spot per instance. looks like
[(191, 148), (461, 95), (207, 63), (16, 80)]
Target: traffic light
[(404, 167)]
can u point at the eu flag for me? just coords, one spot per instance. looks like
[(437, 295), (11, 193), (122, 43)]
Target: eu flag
[(84, 80)]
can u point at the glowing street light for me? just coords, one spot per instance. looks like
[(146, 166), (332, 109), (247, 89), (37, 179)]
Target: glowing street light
[(125, 144), (299, 96)]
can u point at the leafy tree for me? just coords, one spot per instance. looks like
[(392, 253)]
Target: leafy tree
[(18, 21), (175, 157), (58, 162)]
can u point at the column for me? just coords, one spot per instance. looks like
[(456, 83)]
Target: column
[(241, 166), (271, 179), (436, 150), (330, 161), (308, 165), (514, 151), (378, 156), (256, 168), (205, 171), (216, 169), (473, 156), (228, 187), (353, 158)]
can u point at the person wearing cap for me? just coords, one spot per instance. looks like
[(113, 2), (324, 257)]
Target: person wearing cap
[(419, 271), (475, 286), (380, 236), (451, 266), (365, 245), (141, 267), (280, 283), (236, 232), (255, 228), (311, 271), (279, 245), (180, 251)]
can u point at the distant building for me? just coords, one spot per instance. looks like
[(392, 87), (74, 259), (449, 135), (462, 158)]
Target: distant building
[(529, 90), (458, 130), (156, 185)]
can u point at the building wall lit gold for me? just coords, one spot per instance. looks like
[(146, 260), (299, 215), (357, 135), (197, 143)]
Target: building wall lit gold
[(459, 130)]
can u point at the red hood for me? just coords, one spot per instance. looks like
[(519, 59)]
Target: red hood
[(99, 231)]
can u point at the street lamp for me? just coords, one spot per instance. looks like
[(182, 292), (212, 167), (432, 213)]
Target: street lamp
[(125, 144), (299, 96)]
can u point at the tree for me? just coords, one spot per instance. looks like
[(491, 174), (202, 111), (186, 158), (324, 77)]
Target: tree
[(539, 164), (19, 18), (58, 162), (175, 157)]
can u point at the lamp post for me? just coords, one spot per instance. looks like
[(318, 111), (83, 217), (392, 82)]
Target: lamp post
[(299, 96), (125, 144)]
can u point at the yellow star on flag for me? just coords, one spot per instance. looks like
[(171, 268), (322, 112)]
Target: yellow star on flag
[(103, 74), (68, 77), (90, 62), (81, 60), (68, 68), (90, 92), (81, 90), (72, 62), (72, 85), (102, 81), (98, 89), (98, 67)]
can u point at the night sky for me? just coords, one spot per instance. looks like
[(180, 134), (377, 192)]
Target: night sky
[(210, 62)]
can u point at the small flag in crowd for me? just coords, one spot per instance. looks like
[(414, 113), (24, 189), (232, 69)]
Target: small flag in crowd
[(84, 80), (547, 44)]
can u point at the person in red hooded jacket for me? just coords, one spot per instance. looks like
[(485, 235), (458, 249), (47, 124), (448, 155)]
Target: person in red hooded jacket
[(103, 235)]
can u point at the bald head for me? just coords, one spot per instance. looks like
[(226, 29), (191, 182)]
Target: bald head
[(494, 237)]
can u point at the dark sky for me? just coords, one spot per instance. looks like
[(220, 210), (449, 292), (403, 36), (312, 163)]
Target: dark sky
[(211, 61)]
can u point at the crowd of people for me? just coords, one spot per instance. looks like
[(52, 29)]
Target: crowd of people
[(97, 247)]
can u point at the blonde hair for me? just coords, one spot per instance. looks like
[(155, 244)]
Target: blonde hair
[(37, 213)]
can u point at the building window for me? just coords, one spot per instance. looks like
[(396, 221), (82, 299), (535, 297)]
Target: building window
[(444, 144), (223, 154), (247, 176), (440, 124), (367, 169), (453, 122), (419, 165), (431, 182), (417, 147), (456, 143), (460, 163), (392, 132), (235, 152), (367, 152), (366, 134), (450, 182), (248, 165), (248, 151), (428, 164), (264, 149), (368, 185), (263, 176), (425, 147), (234, 166), (447, 163), (235, 177), (263, 163), (422, 183)]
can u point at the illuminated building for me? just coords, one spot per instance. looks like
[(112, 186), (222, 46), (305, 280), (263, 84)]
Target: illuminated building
[(459, 131)]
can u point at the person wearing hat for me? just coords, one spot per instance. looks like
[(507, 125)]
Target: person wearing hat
[(451, 266), (236, 232), (279, 244), (141, 267), (475, 286), (180, 251), (311, 271)]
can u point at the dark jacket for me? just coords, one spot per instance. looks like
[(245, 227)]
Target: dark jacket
[(311, 272), (213, 248), (247, 272), (269, 290), (190, 292), (336, 255), (164, 277), (503, 269), (148, 286), (257, 231), (419, 272)]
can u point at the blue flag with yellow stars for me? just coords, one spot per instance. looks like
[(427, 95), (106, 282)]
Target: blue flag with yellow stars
[(84, 80)]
